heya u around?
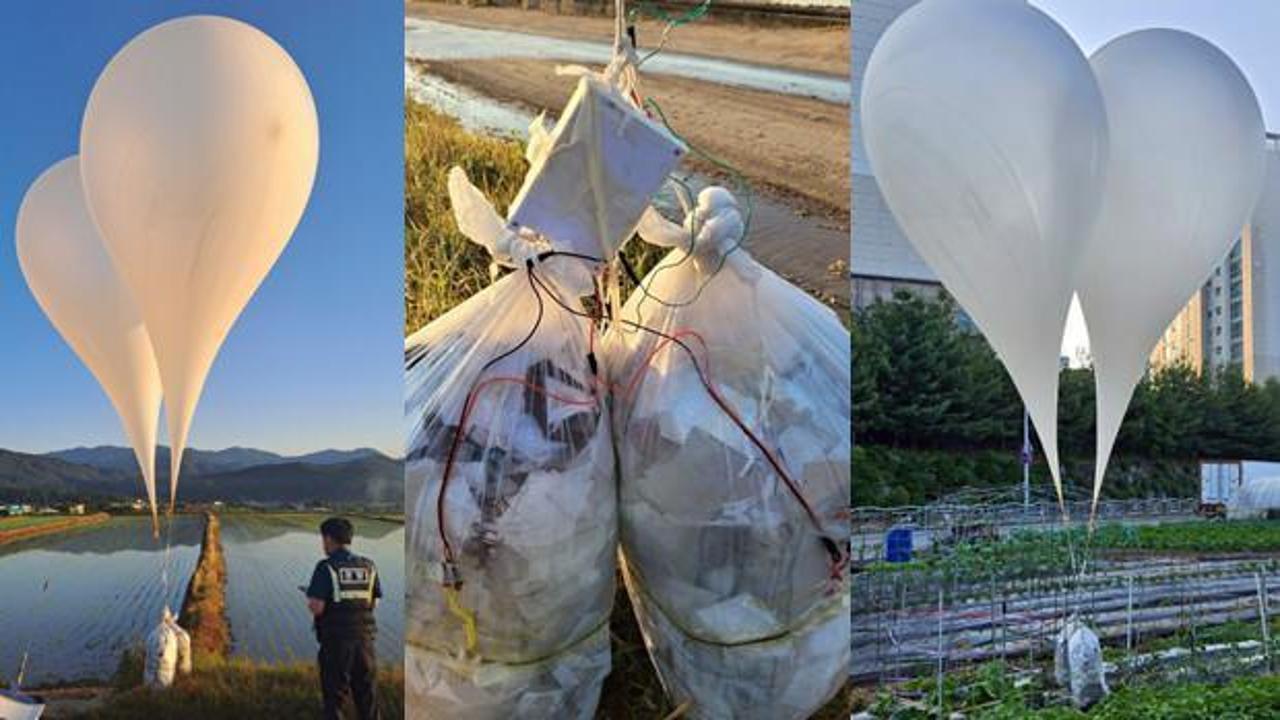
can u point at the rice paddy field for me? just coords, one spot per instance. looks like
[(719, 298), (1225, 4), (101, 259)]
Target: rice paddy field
[(105, 591), (271, 556)]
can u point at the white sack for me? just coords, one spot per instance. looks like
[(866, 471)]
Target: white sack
[(530, 506), (804, 668), (168, 652), (724, 552), (566, 685), (1077, 664), (986, 133)]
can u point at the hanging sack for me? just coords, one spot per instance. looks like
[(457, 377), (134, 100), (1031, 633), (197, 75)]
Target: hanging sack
[(510, 470), (732, 425)]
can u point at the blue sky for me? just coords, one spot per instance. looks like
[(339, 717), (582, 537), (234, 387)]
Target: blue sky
[(315, 359), (1244, 29)]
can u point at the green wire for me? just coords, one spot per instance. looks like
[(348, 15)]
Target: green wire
[(654, 11), (744, 189), (693, 14)]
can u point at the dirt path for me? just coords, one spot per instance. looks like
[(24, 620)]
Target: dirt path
[(797, 147), (204, 609), (814, 49)]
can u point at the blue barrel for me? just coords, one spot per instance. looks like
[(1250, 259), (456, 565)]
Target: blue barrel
[(897, 545)]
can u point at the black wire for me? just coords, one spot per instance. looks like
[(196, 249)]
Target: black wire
[(537, 322), (458, 434), (542, 256)]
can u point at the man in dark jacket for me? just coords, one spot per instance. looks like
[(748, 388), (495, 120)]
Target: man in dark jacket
[(342, 595)]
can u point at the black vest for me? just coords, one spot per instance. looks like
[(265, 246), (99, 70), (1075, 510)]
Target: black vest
[(349, 610)]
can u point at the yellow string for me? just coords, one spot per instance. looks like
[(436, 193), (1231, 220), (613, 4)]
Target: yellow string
[(465, 616)]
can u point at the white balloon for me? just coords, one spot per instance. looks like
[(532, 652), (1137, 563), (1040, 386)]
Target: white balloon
[(77, 287), (1186, 165), (986, 133), (199, 148)]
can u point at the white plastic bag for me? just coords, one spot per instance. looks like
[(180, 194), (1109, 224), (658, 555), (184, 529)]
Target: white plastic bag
[(736, 568), (1077, 664), (592, 176), (567, 685), (505, 611), (168, 652)]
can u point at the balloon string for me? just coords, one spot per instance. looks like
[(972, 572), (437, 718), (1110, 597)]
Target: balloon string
[(168, 554)]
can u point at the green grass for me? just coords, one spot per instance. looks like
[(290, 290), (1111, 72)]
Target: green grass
[(232, 689), (1046, 552), (442, 267), (1193, 536), (25, 521), (988, 693)]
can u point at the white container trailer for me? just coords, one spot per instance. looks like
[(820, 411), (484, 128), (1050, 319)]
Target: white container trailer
[(1221, 482)]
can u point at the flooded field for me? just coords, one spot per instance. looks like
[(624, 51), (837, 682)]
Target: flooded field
[(269, 557), (105, 593)]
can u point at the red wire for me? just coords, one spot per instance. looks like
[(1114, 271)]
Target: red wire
[(704, 375)]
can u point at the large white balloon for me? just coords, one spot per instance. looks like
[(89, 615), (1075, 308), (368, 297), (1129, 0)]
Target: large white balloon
[(986, 133), (199, 148), (76, 284), (1186, 166)]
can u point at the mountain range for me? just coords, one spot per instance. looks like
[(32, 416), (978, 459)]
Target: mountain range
[(363, 476)]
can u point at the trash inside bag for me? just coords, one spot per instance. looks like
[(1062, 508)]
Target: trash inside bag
[(168, 652), (1077, 664), (510, 468), (566, 685), (734, 486), (800, 670), (590, 180)]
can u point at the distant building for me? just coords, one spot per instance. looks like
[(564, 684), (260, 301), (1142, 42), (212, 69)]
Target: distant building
[(883, 261), (76, 509), (1234, 318)]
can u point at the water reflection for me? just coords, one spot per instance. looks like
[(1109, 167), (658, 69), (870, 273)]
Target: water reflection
[(269, 559), (106, 592)]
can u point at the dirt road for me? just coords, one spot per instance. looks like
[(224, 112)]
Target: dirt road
[(798, 148), (814, 49)]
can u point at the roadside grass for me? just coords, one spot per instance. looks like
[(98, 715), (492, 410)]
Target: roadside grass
[(442, 267), (232, 689)]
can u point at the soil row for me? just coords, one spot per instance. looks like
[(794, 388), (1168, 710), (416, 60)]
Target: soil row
[(204, 609)]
